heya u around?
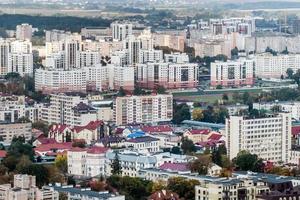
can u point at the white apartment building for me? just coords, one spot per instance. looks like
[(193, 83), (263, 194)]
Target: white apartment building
[(143, 109), (10, 130), (24, 32), (58, 80), (177, 58), (20, 63), (121, 30), (87, 162), (145, 143), (69, 110), (269, 137), (232, 73), (4, 52), (131, 162), (56, 60), (150, 55), (169, 75), (269, 66), (89, 58), (97, 78)]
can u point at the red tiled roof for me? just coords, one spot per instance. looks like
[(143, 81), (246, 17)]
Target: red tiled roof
[(97, 150), (156, 129), (215, 136), (295, 130), (44, 140), (2, 154), (77, 149), (93, 125), (50, 146), (174, 166), (58, 128), (199, 131)]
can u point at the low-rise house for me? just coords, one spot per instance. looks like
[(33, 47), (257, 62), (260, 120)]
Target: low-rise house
[(52, 148), (112, 141), (148, 143), (87, 162), (160, 129), (197, 135), (131, 162)]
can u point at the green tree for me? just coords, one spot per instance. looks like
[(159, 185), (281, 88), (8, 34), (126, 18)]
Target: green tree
[(201, 164), (185, 188), (217, 155), (12, 76), (42, 126), (121, 92), (289, 73), (39, 171), (187, 146), (219, 87), (248, 162), (197, 114), (23, 163), (161, 89), (175, 150), (61, 162), (138, 91), (116, 168), (234, 52), (181, 113)]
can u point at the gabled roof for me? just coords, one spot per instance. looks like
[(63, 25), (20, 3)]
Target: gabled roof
[(60, 128), (200, 131), (47, 140), (156, 129), (215, 136), (51, 146), (92, 125)]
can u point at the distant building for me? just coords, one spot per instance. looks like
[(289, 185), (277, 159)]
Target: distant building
[(232, 73), (24, 32), (121, 30), (143, 109)]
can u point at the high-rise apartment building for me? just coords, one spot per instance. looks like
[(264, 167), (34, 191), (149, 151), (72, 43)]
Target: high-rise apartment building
[(268, 137), (143, 109), (24, 32), (120, 30)]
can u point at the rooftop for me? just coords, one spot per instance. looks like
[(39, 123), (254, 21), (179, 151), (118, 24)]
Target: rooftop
[(142, 139)]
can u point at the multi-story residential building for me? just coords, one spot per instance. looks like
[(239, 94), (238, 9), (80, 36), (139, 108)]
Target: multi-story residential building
[(56, 60), (86, 193), (168, 75), (146, 143), (131, 162), (25, 188), (150, 55), (87, 162), (24, 32), (121, 30), (232, 73), (275, 66), (68, 109), (143, 109), (268, 137), (172, 40), (89, 58), (227, 189), (10, 130), (20, 63), (177, 58), (97, 78), (14, 107), (4, 52), (235, 109)]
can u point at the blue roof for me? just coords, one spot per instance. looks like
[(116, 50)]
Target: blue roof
[(136, 134), (203, 124)]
